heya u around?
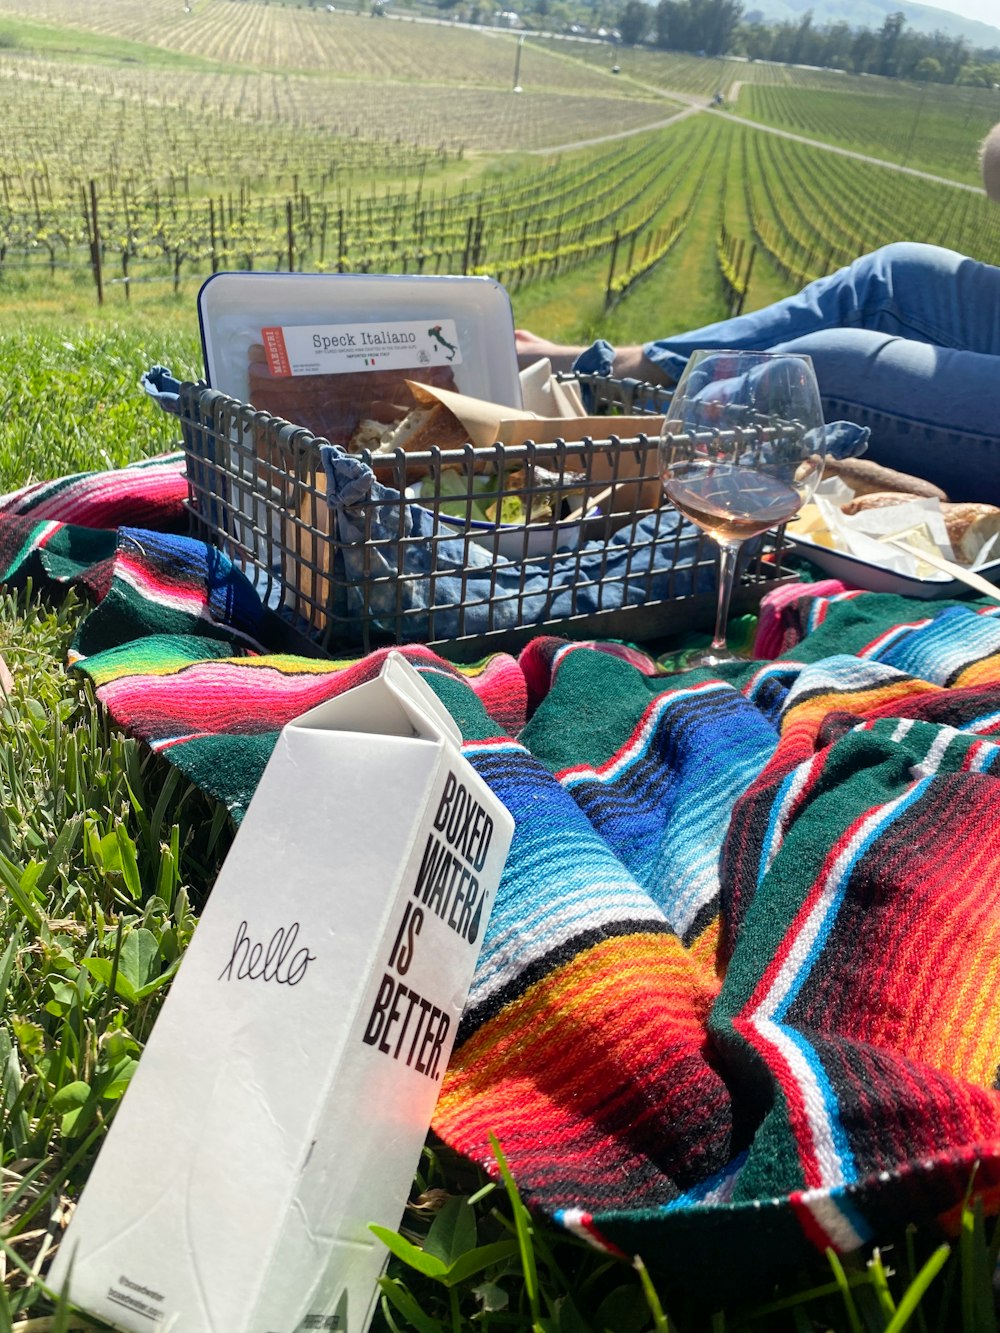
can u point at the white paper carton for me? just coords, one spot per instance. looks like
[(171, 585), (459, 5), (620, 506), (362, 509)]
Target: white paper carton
[(287, 1086)]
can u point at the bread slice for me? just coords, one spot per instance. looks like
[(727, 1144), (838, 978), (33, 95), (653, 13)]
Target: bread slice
[(422, 428), (879, 500), (427, 428), (969, 524)]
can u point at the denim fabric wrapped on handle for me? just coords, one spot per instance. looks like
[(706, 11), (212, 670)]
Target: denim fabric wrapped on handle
[(206, 470), (164, 389)]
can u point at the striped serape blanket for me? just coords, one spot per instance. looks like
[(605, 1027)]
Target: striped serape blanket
[(737, 994)]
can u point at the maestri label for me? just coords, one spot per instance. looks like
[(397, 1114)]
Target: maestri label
[(331, 349)]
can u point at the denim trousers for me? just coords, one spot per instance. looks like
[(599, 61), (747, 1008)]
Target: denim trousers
[(906, 341)]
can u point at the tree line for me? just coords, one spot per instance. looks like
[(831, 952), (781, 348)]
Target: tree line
[(723, 27), (726, 27)]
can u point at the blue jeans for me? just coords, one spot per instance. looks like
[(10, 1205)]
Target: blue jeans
[(905, 340)]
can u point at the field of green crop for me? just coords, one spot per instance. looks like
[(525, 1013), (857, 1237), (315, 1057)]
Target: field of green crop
[(928, 128), (148, 146), (230, 35), (249, 135)]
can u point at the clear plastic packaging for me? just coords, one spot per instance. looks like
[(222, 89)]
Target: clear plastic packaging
[(329, 351)]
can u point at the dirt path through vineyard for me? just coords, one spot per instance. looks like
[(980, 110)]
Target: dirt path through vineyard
[(848, 152), (619, 134)]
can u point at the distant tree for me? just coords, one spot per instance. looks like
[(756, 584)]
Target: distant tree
[(560, 15), (755, 40), (635, 21), (975, 75), (663, 25), (704, 26), (864, 51), (953, 52), (893, 50), (888, 43), (603, 14), (838, 46), (800, 42), (719, 20), (671, 25)]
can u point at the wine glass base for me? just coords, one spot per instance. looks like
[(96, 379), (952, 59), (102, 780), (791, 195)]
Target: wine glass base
[(687, 659), (713, 657)]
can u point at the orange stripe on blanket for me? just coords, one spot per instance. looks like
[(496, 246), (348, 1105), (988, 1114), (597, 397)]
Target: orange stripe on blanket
[(804, 719), (541, 1075), (985, 672)]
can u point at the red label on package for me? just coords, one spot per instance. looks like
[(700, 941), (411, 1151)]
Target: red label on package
[(275, 351)]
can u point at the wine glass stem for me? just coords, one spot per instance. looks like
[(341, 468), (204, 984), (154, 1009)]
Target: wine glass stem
[(729, 553)]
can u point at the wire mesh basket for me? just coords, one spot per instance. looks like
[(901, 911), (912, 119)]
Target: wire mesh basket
[(467, 550)]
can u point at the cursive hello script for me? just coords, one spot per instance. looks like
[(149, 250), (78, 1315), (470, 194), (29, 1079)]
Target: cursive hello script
[(278, 961)]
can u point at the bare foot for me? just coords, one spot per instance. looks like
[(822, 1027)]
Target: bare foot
[(531, 348)]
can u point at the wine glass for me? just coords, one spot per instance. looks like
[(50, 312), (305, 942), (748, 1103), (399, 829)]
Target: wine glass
[(741, 451)]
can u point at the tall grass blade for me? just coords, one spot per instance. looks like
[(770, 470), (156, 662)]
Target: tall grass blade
[(661, 1323), (879, 1279), (840, 1277), (523, 1231), (910, 1301), (978, 1313)]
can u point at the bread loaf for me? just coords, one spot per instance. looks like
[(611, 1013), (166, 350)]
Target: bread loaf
[(420, 429), (865, 478), (969, 524)]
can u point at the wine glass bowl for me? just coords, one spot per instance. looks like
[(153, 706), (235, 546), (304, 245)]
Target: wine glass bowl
[(741, 451)]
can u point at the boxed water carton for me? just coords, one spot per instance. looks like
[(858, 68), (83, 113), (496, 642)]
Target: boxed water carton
[(287, 1086)]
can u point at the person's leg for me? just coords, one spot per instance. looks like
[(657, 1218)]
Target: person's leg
[(919, 292), (933, 411)]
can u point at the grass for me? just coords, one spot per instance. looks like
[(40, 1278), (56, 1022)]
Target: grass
[(524, 1275), (888, 119), (70, 398), (105, 854)]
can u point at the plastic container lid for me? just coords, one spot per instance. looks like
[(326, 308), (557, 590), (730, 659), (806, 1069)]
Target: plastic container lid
[(289, 325)]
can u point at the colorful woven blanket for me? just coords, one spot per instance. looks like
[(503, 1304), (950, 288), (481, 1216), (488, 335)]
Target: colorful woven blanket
[(736, 997)]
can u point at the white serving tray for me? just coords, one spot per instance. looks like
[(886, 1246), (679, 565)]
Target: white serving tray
[(862, 574), (233, 308)]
